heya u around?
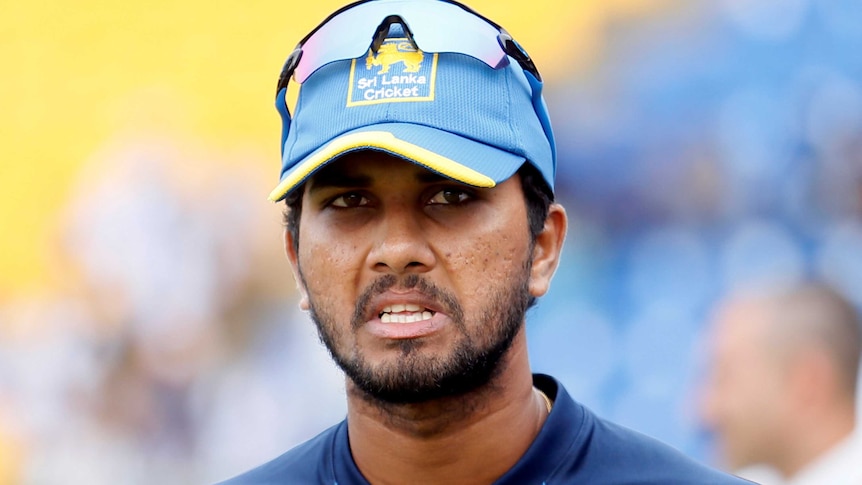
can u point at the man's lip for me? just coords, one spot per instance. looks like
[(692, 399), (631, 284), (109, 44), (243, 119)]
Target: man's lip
[(390, 298)]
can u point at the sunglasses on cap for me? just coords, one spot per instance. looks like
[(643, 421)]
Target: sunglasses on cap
[(430, 25)]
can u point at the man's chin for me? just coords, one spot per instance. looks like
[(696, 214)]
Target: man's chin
[(422, 381)]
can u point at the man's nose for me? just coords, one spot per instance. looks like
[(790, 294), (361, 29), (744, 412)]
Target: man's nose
[(401, 244)]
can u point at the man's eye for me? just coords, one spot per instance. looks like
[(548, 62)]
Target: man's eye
[(350, 200), (449, 197)]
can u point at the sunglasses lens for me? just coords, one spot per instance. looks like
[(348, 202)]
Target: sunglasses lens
[(436, 26)]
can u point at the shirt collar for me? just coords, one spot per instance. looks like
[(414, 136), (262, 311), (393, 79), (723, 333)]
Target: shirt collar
[(841, 464)]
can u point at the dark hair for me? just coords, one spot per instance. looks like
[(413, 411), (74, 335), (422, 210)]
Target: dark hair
[(537, 194)]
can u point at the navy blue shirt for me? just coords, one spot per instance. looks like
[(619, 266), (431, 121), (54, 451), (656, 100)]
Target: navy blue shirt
[(574, 447)]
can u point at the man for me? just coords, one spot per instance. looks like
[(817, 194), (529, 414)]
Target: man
[(783, 388), (418, 173)]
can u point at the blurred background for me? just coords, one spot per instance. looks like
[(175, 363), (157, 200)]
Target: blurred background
[(148, 323)]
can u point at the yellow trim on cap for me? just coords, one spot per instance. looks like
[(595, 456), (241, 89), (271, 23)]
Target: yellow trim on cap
[(384, 141)]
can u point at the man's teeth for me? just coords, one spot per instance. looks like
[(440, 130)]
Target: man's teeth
[(404, 313)]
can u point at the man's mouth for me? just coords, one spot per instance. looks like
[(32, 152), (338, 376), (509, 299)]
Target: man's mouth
[(405, 313)]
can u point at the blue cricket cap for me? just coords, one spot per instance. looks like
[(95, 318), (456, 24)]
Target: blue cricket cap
[(449, 112)]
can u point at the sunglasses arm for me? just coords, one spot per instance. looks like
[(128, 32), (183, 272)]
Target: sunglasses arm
[(281, 106), (541, 110)]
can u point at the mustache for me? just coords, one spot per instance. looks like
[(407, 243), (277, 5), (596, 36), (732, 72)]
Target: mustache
[(412, 281)]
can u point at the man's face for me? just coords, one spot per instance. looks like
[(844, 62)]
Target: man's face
[(418, 284), (745, 393)]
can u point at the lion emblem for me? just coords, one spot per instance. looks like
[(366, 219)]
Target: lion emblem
[(392, 53)]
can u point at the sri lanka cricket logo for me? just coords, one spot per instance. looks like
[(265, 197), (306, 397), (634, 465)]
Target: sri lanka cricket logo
[(404, 73), (392, 53)]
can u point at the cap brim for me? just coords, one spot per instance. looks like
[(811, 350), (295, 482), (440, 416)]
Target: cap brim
[(458, 158)]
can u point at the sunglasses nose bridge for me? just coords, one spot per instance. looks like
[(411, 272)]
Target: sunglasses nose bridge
[(382, 32)]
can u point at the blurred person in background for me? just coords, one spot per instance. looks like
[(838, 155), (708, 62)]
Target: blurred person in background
[(782, 390), (418, 174)]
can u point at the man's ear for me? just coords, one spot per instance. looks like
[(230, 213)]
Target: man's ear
[(292, 257), (546, 252)]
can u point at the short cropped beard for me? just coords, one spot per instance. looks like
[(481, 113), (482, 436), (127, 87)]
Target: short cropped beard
[(473, 362)]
